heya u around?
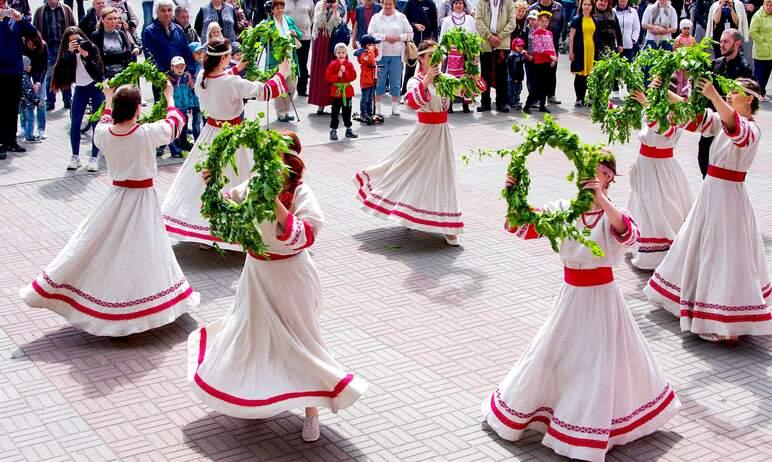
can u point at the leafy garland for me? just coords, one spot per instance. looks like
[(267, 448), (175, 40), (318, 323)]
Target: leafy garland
[(696, 61), (617, 122), (254, 42), (238, 223), (555, 225), (131, 76), (469, 45)]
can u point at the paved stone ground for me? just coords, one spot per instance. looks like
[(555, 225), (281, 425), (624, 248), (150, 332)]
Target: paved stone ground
[(431, 327)]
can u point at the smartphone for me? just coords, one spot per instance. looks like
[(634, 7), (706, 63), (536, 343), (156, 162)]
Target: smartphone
[(6, 13)]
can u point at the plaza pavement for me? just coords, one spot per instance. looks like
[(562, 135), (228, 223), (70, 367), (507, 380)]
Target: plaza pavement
[(432, 328)]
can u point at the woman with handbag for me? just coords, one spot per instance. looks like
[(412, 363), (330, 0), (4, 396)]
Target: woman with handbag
[(395, 33), (328, 16)]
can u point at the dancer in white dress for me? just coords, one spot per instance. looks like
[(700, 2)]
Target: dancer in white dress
[(715, 276), (588, 381), (118, 275), (221, 92), (660, 197), (415, 185), (267, 355)]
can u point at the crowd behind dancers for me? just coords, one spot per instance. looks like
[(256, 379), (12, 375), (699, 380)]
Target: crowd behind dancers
[(523, 43)]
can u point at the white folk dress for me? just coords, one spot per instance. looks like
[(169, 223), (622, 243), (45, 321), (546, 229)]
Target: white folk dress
[(415, 184), (660, 197), (715, 276), (267, 355), (223, 101), (588, 381), (118, 274)]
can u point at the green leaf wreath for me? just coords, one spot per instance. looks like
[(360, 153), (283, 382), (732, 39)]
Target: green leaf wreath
[(555, 225), (696, 61), (238, 223), (469, 45), (255, 40), (617, 122), (131, 76)]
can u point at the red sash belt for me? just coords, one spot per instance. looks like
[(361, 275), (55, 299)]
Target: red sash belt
[(588, 277), (219, 123), (134, 184), (433, 118), (655, 153), (726, 174), (270, 256)]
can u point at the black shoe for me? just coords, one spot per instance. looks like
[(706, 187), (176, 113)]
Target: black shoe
[(450, 110), (466, 108), (351, 134), (49, 107), (333, 135), (544, 109), (502, 109), (15, 147), (68, 105), (527, 109), (159, 152), (483, 108), (303, 93), (283, 119), (177, 155), (3, 151)]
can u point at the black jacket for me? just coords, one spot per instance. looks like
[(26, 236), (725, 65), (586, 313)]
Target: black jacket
[(577, 65), (608, 35), (39, 63), (422, 12), (113, 62), (89, 22)]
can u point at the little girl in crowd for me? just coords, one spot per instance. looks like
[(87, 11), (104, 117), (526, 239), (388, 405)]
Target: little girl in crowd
[(684, 39), (544, 57), (340, 73)]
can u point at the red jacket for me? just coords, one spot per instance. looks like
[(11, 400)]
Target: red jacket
[(349, 76), (368, 68)]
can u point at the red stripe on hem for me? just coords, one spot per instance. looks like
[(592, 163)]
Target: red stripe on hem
[(404, 215), (266, 401), (726, 318), (107, 316), (182, 232)]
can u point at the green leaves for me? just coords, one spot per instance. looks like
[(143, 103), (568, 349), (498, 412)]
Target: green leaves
[(238, 223), (255, 40), (469, 45), (556, 225), (131, 76), (616, 122)]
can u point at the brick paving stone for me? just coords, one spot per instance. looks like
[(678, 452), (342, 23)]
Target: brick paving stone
[(432, 328)]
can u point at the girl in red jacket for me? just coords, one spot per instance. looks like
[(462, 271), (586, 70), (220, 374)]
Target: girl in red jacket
[(340, 73)]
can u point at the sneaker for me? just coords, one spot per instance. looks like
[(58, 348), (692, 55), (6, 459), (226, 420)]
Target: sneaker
[(74, 163), (544, 109), (32, 140), (394, 111), (553, 100), (378, 119), (350, 134), (453, 239), (516, 106), (334, 135), (503, 109), (15, 147), (68, 105), (283, 119), (310, 429), (3, 152), (42, 135), (578, 104), (483, 108), (93, 164), (465, 107), (526, 109)]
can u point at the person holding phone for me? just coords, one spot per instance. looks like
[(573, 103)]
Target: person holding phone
[(13, 27), (724, 15)]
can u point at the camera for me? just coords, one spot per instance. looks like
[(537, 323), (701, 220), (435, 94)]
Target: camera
[(85, 45)]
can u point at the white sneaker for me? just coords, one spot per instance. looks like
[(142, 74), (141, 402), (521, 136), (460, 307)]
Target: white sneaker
[(310, 429), (42, 135), (453, 239), (394, 111), (93, 164), (74, 163)]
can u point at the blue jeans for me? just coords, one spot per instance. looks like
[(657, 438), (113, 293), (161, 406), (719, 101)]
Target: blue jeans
[(80, 99), (366, 103), (195, 118), (515, 88), (41, 109), (391, 67), (761, 70), (27, 117), (50, 94), (147, 13), (569, 8), (664, 45)]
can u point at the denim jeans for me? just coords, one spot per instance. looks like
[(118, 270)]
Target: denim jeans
[(568, 15), (27, 117), (195, 121), (147, 13), (41, 109), (515, 87), (391, 67), (51, 95), (761, 70), (80, 99), (366, 103)]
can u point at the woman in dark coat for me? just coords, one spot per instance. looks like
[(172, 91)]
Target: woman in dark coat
[(115, 46), (582, 49)]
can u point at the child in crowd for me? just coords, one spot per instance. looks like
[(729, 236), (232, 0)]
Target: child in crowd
[(368, 72), (213, 33), (29, 102), (544, 57), (530, 28), (340, 73), (684, 39), (236, 55), (197, 50), (182, 82), (516, 71)]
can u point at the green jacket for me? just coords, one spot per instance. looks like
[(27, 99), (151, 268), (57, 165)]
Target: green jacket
[(761, 34), (505, 25), (291, 26)]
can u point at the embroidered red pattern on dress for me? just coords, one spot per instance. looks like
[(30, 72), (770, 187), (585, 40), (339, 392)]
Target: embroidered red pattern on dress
[(106, 304), (675, 296), (177, 221), (580, 429), (402, 204)]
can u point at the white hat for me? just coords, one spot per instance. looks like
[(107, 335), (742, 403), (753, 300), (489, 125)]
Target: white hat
[(178, 60), (685, 23)]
